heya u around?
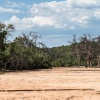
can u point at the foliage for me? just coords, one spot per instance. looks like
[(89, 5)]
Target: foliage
[(26, 49)]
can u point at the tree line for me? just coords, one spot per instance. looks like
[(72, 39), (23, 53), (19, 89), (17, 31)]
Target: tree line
[(26, 52)]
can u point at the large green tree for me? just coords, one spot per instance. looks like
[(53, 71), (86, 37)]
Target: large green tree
[(4, 32)]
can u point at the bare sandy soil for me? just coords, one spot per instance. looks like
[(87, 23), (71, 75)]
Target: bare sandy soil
[(51, 84)]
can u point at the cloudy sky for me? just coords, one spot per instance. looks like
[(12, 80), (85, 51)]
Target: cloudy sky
[(56, 21)]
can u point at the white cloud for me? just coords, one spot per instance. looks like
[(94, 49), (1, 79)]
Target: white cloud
[(8, 10), (64, 13), (97, 14), (82, 20), (68, 14), (84, 3), (14, 5), (27, 23), (43, 21), (14, 19)]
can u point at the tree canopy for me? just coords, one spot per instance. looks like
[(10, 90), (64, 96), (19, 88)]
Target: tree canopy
[(26, 52)]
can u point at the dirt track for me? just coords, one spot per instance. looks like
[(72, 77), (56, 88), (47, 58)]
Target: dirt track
[(51, 84)]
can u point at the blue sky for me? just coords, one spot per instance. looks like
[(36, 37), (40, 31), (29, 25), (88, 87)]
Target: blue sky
[(56, 21)]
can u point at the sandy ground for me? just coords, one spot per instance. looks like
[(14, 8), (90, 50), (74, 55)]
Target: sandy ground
[(51, 84)]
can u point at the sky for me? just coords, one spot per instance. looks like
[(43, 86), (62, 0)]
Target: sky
[(55, 20)]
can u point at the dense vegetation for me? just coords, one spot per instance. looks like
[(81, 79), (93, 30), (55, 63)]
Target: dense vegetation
[(25, 52)]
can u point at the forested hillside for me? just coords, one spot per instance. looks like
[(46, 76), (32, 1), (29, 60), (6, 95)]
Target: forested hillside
[(25, 52)]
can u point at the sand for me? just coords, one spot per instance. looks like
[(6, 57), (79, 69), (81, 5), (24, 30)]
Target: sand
[(51, 84)]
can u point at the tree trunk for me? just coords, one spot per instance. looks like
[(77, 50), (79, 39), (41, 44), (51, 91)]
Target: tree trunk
[(98, 60)]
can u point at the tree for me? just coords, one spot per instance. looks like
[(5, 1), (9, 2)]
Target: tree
[(28, 48), (85, 49), (76, 50), (98, 50), (4, 32)]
